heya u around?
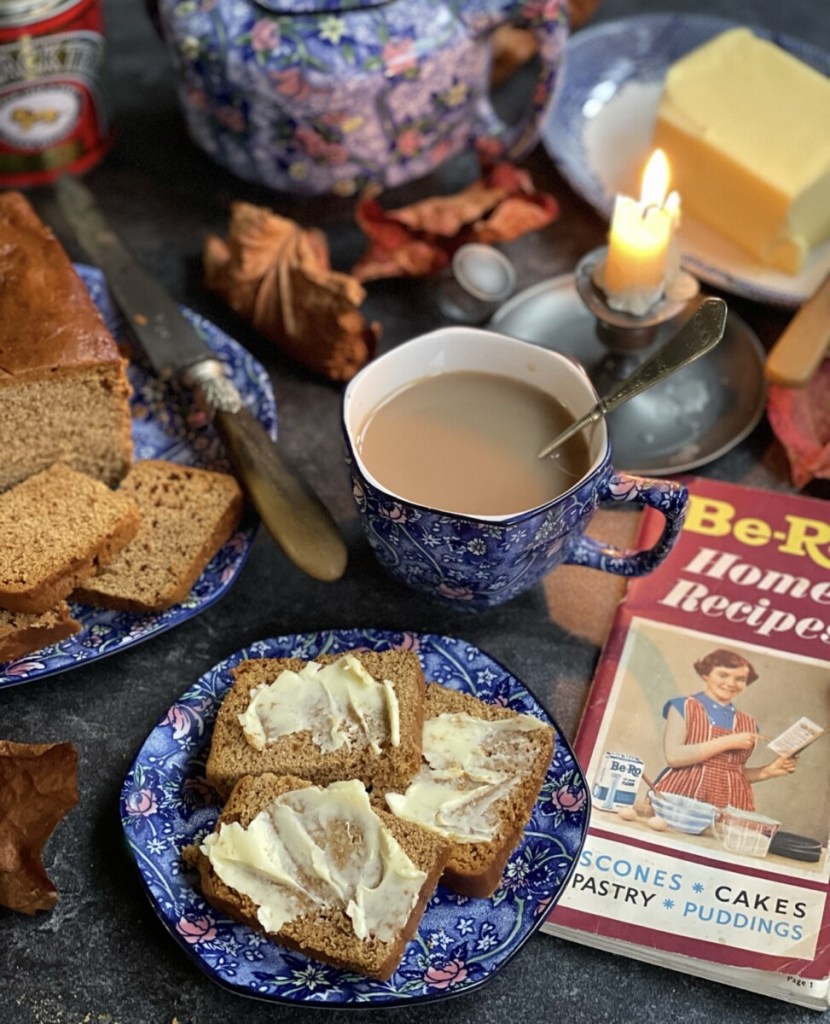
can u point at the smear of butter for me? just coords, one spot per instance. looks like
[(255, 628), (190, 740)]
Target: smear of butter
[(471, 765), (339, 703), (317, 847)]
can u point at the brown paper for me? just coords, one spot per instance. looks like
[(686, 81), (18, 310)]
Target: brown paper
[(38, 786)]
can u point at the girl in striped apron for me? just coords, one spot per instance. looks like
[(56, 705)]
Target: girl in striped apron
[(707, 740)]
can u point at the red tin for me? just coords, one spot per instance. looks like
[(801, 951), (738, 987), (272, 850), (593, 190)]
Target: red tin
[(52, 113)]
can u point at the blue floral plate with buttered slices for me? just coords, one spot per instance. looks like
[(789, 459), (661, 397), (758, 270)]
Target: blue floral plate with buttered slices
[(166, 804), (162, 429)]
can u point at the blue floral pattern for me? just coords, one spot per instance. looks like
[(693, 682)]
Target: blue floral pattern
[(313, 96), (166, 805), (162, 429), (477, 564)]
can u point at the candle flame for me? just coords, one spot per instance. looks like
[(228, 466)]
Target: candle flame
[(655, 180)]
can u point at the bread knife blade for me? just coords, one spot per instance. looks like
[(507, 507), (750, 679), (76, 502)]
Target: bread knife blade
[(291, 511), (795, 357)]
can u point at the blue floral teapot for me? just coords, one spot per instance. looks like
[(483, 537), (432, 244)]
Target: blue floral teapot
[(326, 96)]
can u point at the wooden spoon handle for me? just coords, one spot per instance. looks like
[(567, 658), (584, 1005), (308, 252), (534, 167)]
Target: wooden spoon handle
[(795, 357)]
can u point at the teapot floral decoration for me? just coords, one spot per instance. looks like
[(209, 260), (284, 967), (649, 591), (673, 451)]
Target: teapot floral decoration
[(326, 96)]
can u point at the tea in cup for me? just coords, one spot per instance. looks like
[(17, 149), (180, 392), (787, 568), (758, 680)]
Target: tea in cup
[(442, 435)]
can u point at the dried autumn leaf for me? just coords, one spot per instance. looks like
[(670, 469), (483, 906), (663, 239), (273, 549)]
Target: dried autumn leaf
[(37, 788), (419, 240), (277, 275), (800, 419), (512, 218), (580, 11)]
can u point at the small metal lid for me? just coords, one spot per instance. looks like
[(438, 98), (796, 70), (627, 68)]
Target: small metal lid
[(484, 272)]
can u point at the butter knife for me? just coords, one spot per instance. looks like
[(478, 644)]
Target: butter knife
[(291, 511), (795, 357)]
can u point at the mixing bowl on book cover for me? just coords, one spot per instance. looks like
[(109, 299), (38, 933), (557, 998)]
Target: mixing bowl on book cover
[(683, 813)]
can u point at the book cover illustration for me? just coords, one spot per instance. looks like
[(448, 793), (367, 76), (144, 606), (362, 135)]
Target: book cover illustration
[(701, 742), (795, 738)]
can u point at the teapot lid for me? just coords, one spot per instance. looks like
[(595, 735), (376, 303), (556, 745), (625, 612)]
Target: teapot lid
[(317, 6)]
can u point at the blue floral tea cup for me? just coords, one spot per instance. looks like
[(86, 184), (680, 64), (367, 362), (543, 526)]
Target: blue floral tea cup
[(478, 562)]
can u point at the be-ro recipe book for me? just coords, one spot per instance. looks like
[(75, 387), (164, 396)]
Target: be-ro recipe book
[(704, 747)]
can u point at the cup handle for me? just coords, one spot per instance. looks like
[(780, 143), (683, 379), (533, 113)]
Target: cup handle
[(550, 30), (666, 496)]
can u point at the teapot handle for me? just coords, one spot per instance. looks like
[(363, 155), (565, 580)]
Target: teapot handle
[(547, 20)]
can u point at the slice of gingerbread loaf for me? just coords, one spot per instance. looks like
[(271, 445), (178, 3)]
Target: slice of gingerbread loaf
[(319, 870), (483, 767), (187, 514), (56, 528), (354, 716), (21, 633)]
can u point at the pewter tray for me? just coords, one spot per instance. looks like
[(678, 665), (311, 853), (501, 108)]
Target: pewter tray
[(695, 416)]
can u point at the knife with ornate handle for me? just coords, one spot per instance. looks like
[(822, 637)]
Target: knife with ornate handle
[(291, 511)]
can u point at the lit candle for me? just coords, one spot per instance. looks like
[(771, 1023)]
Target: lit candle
[(640, 237)]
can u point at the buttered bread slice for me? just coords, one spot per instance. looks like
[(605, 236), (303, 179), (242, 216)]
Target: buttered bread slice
[(483, 767), (320, 870), (354, 716)]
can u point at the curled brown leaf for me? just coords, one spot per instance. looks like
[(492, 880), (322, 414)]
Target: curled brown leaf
[(800, 419), (277, 275), (419, 240), (37, 788)]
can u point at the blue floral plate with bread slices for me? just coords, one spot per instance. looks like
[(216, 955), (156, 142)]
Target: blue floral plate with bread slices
[(166, 805), (162, 429)]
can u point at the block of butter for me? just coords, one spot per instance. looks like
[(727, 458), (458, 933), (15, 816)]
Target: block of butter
[(746, 127)]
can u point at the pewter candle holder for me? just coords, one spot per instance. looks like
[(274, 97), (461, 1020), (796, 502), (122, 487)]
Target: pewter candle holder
[(685, 421), (675, 409), (626, 336)]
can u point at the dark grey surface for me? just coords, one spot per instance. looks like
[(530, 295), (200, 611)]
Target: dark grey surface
[(101, 957)]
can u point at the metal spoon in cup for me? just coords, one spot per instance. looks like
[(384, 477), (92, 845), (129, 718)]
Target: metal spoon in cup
[(695, 338)]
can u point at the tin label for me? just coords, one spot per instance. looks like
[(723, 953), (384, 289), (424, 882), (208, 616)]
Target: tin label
[(52, 115), (35, 118), (618, 781), (17, 14)]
